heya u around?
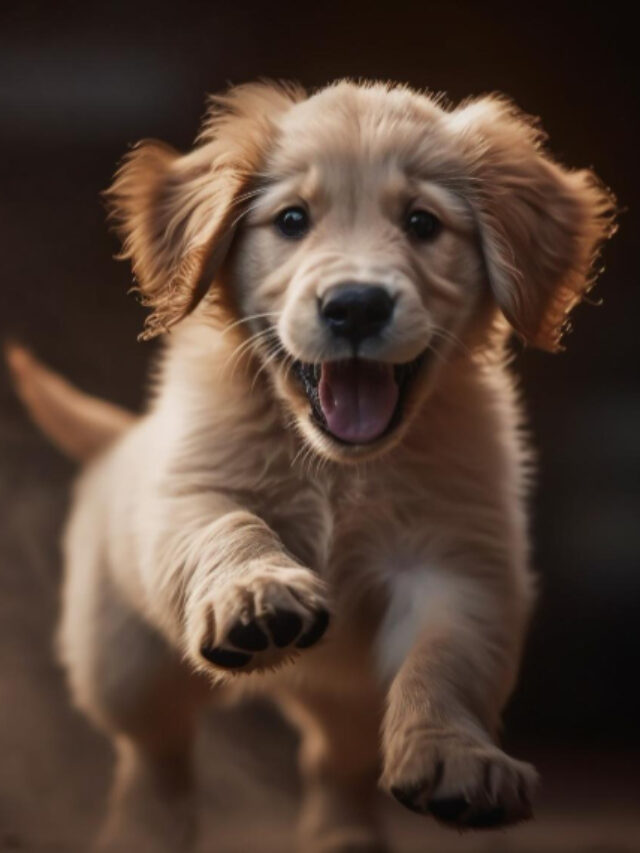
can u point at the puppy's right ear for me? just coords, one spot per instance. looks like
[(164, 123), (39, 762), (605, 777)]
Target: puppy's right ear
[(177, 214), (153, 201)]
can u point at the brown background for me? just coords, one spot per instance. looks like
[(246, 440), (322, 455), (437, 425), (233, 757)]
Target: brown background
[(78, 84)]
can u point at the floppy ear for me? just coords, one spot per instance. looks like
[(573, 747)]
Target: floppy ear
[(541, 225), (176, 213)]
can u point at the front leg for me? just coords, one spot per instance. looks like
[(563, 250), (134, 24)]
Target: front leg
[(254, 607), (240, 601), (453, 639)]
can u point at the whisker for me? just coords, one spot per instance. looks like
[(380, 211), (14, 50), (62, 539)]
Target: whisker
[(454, 339), (287, 365), (248, 319), (270, 358), (243, 347)]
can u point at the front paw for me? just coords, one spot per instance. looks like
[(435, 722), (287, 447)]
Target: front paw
[(260, 621), (462, 781)]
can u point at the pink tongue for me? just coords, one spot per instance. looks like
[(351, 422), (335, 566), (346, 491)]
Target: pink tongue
[(357, 398)]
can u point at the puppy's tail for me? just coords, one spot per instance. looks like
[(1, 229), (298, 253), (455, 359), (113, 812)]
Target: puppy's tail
[(79, 425)]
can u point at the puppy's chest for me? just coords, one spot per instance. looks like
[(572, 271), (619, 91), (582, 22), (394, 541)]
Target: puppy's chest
[(348, 522)]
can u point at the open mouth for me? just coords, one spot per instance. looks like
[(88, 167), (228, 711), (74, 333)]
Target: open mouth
[(357, 401)]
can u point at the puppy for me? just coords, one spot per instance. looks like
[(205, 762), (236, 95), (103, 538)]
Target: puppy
[(324, 499)]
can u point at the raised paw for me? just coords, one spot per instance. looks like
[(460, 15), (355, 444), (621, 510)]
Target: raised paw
[(462, 782), (262, 621)]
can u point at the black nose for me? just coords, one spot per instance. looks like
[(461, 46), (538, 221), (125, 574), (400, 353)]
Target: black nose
[(356, 311)]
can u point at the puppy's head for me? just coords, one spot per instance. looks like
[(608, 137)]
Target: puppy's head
[(363, 236)]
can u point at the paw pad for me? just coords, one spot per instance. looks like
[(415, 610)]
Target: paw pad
[(255, 643), (474, 787), (284, 627)]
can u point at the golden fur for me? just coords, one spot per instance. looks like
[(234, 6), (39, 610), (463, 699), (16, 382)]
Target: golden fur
[(226, 503)]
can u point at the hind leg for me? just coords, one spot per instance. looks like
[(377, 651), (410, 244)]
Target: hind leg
[(132, 685), (339, 765), (151, 806)]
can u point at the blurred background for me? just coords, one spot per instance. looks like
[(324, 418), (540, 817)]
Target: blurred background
[(79, 83)]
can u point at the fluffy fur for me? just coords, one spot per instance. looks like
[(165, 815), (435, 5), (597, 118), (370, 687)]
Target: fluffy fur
[(226, 505)]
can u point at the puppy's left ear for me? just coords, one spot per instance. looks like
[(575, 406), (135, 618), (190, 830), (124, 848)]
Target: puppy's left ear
[(541, 225)]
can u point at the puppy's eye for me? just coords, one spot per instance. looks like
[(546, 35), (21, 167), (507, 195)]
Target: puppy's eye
[(423, 225), (293, 222)]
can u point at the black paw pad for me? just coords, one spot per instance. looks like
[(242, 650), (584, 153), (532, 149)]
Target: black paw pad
[(316, 630), (249, 637), (409, 797), (449, 810), (284, 626), (225, 658), (489, 819)]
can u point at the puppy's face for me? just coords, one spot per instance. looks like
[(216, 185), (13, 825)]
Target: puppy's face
[(362, 236), (360, 269)]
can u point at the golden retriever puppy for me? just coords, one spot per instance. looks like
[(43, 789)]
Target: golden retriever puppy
[(324, 499)]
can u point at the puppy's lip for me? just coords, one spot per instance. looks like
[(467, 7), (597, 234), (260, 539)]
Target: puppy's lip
[(309, 376)]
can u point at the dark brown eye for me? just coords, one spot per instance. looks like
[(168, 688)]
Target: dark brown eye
[(423, 225), (293, 222)]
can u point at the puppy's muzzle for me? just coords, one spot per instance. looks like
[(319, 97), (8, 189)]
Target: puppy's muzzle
[(356, 311)]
